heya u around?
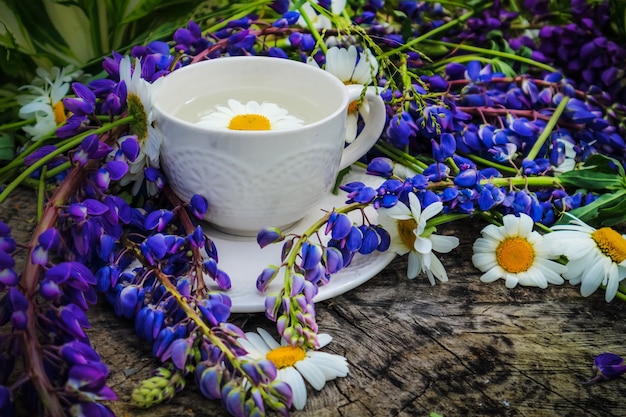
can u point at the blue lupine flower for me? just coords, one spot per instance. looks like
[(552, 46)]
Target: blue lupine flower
[(339, 227), (333, 260), (287, 19), (268, 236), (8, 276), (215, 308), (445, 149), (265, 277), (158, 219), (84, 103), (380, 166), (401, 127), (128, 301), (608, 366), (311, 255)]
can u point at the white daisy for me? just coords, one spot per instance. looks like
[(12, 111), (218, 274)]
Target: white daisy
[(352, 67), (517, 254), (409, 234), (321, 21), (249, 116), (42, 100), (595, 256), (139, 101), (294, 363)]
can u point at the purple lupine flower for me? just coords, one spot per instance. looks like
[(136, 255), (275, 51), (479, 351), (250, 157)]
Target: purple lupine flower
[(287, 19), (199, 205), (311, 255), (608, 366), (215, 308), (268, 236), (401, 127), (85, 102), (380, 166), (333, 260), (8, 276), (339, 227), (209, 380), (265, 277)]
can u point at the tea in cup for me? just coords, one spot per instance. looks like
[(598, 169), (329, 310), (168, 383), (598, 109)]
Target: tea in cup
[(261, 138)]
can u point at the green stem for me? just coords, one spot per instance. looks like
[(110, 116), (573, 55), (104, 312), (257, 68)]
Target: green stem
[(548, 130), (523, 181), (58, 169), (401, 157), (487, 162), (69, 145), (463, 58), (318, 38), (20, 158), (494, 53), (41, 192), (431, 33), (15, 125)]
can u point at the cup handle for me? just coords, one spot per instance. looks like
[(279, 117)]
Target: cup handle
[(374, 124)]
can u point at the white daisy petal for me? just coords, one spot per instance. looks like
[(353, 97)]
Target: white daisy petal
[(268, 339), (323, 339), (351, 127), (293, 378), (444, 244), (414, 265), (311, 373)]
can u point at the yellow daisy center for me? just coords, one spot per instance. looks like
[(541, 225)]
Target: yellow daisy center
[(139, 125), (515, 254), (610, 243), (405, 230), (59, 112), (249, 122), (352, 107), (285, 356)]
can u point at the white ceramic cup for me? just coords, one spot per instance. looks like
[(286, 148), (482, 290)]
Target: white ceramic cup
[(259, 178)]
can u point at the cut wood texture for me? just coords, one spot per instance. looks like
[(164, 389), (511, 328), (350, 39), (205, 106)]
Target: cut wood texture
[(461, 348)]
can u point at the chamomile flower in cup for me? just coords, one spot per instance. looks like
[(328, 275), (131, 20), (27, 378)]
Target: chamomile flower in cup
[(250, 116)]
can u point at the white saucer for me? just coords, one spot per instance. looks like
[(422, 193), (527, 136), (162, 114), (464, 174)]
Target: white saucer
[(243, 260)]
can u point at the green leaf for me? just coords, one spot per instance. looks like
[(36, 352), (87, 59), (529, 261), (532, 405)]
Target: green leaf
[(7, 147), (607, 209), (598, 173), (603, 163), (501, 66), (590, 180), (613, 215)]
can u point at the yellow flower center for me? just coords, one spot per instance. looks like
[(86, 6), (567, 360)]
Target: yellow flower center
[(139, 125), (285, 356), (515, 254), (405, 230), (352, 107), (59, 112), (610, 243), (249, 122)]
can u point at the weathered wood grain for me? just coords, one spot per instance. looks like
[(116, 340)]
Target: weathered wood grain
[(462, 348)]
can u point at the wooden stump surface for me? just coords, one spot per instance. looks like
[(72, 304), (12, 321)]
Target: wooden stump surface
[(463, 348)]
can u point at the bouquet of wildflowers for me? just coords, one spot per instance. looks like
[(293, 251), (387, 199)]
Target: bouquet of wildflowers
[(514, 117)]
